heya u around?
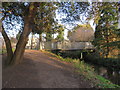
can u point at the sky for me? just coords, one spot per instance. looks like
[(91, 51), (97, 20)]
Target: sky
[(70, 27), (58, 16)]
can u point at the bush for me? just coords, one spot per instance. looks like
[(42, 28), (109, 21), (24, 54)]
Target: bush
[(111, 63)]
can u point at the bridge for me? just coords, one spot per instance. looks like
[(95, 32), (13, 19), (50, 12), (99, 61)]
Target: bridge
[(63, 45), (68, 48)]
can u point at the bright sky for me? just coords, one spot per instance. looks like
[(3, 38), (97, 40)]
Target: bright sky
[(58, 16), (83, 18)]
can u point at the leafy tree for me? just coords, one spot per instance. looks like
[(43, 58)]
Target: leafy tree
[(73, 11), (60, 31), (32, 16), (27, 12), (106, 25), (44, 21)]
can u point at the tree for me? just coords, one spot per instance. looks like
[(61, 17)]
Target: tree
[(44, 21), (73, 11), (60, 31), (18, 35), (8, 46), (9, 11), (106, 26), (30, 13), (32, 40)]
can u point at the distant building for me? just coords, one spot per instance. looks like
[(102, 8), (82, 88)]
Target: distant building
[(82, 34), (34, 42), (78, 39)]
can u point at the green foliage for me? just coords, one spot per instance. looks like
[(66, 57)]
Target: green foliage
[(3, 51), (104, 83), (15, 8), (49, 36), (112, 44), (106, 27), (88, 72), (86, 26), (72, 11), (45, 16), (111, 63), (45, 20), (60, 31)]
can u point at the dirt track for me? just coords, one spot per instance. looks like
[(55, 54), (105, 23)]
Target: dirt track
[(40, 70)]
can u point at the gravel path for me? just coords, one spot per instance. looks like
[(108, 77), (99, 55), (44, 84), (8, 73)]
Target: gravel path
[(40, 70)]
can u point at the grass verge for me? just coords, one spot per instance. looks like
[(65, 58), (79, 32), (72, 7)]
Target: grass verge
[(3, 51), (88, 72)]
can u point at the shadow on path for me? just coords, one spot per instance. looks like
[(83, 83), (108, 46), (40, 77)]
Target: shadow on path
[(39, 70)]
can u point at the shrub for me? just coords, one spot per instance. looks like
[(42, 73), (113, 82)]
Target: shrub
[(111, 63)]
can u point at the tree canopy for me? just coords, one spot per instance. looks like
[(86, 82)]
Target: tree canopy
[(106, 20), (37, 17), (41, 17)]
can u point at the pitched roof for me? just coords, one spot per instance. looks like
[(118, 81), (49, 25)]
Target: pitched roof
[(82, 34)]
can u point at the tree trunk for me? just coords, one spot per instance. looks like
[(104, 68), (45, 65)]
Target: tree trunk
[(107, 52), (32, 41), (8, 46), (40, 39), (20, 47), (107, 41)]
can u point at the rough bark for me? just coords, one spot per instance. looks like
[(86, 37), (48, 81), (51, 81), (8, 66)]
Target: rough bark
[(32, 41), (8, 46), (20, 47), (107, 41), (107, 52), (40, 40)]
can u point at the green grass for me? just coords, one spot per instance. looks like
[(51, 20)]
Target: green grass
[(105, 83), (4, 51), (13, 49), (88, 72)]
